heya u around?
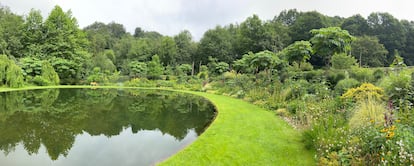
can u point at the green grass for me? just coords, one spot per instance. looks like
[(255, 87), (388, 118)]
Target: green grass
[(241, 134), (244, 134)]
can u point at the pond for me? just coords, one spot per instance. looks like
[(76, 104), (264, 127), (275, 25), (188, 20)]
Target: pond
[(98, 126)]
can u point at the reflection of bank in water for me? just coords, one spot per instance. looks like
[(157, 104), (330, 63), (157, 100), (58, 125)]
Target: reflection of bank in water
[(57, 119)]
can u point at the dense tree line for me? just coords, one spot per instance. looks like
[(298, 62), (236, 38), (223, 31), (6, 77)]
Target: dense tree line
[(99, 51)]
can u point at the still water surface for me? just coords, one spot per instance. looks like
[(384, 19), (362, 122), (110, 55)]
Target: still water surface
[(63, 127)]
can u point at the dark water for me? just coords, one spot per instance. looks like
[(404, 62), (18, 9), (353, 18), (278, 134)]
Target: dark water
[(97, 127)]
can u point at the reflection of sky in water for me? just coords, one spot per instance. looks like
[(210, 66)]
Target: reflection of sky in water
[(143, 148)]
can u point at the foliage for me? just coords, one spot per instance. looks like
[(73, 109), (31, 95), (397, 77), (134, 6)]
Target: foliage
[(388, 30), (137, 69), (303, 23), (362, 74), (67, 70), (184, 69), (369, 51), (58, 40), (363, 92), (329, 41), (334, 76), (398, 61), (10, 33), (167, 51), (298, 52), (216, 43), (155, 68), (39, 72), (186, 47), (140, 82), (342, 61), (343, 85), (367, 112), (261, 61), (217, 68), (49, 74), (14, 76), (31, 67), (356, 25), (203, 73), (11, 75), (398, 87)]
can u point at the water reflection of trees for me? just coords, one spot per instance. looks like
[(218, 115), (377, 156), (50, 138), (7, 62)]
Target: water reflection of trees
[(54, 117)]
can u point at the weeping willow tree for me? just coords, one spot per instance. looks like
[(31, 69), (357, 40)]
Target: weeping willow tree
[(49, 74), (11, 75)]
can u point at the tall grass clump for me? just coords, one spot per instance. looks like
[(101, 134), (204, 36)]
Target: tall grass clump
[(368, 111)]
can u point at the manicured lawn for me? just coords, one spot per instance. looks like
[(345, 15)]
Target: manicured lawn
[(244, 134), (241, 134)]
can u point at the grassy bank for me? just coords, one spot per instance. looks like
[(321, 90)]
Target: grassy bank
[(242, 134)]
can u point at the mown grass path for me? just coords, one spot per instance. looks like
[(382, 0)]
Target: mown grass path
[(241, 134)]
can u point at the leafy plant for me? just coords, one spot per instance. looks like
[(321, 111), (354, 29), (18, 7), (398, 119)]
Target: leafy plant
[(363, 92), (345, 84)]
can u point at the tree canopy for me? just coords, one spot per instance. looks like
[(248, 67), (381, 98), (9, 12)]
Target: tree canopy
[(296, 37)]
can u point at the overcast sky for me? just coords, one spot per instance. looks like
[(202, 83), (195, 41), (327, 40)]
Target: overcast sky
[(169, 17)]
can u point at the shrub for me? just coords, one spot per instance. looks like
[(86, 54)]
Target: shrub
[(397, 86), (362, 74), (378, 74), (343, 61), (306, 66), (48, 73), (298, 88), (334, 76), (363, 92), (295, 106), (40, 81), (345, 84), (140, 82), (313, 75)]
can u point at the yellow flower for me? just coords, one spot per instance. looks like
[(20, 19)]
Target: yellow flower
[(390, 135), (384, 130)]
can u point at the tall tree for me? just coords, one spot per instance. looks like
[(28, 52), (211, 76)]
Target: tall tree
[(252, 34), (185, 47), (408, 51), (389, 31), (287, 17), (10, 33), (276, 36), (168, 51), (369, 52), (329, 41), (100, 37), (356, 25), (141, 49), (216, 43), (65, 45), (300, 29), (117, 30), (138, 32), (33, 34)]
